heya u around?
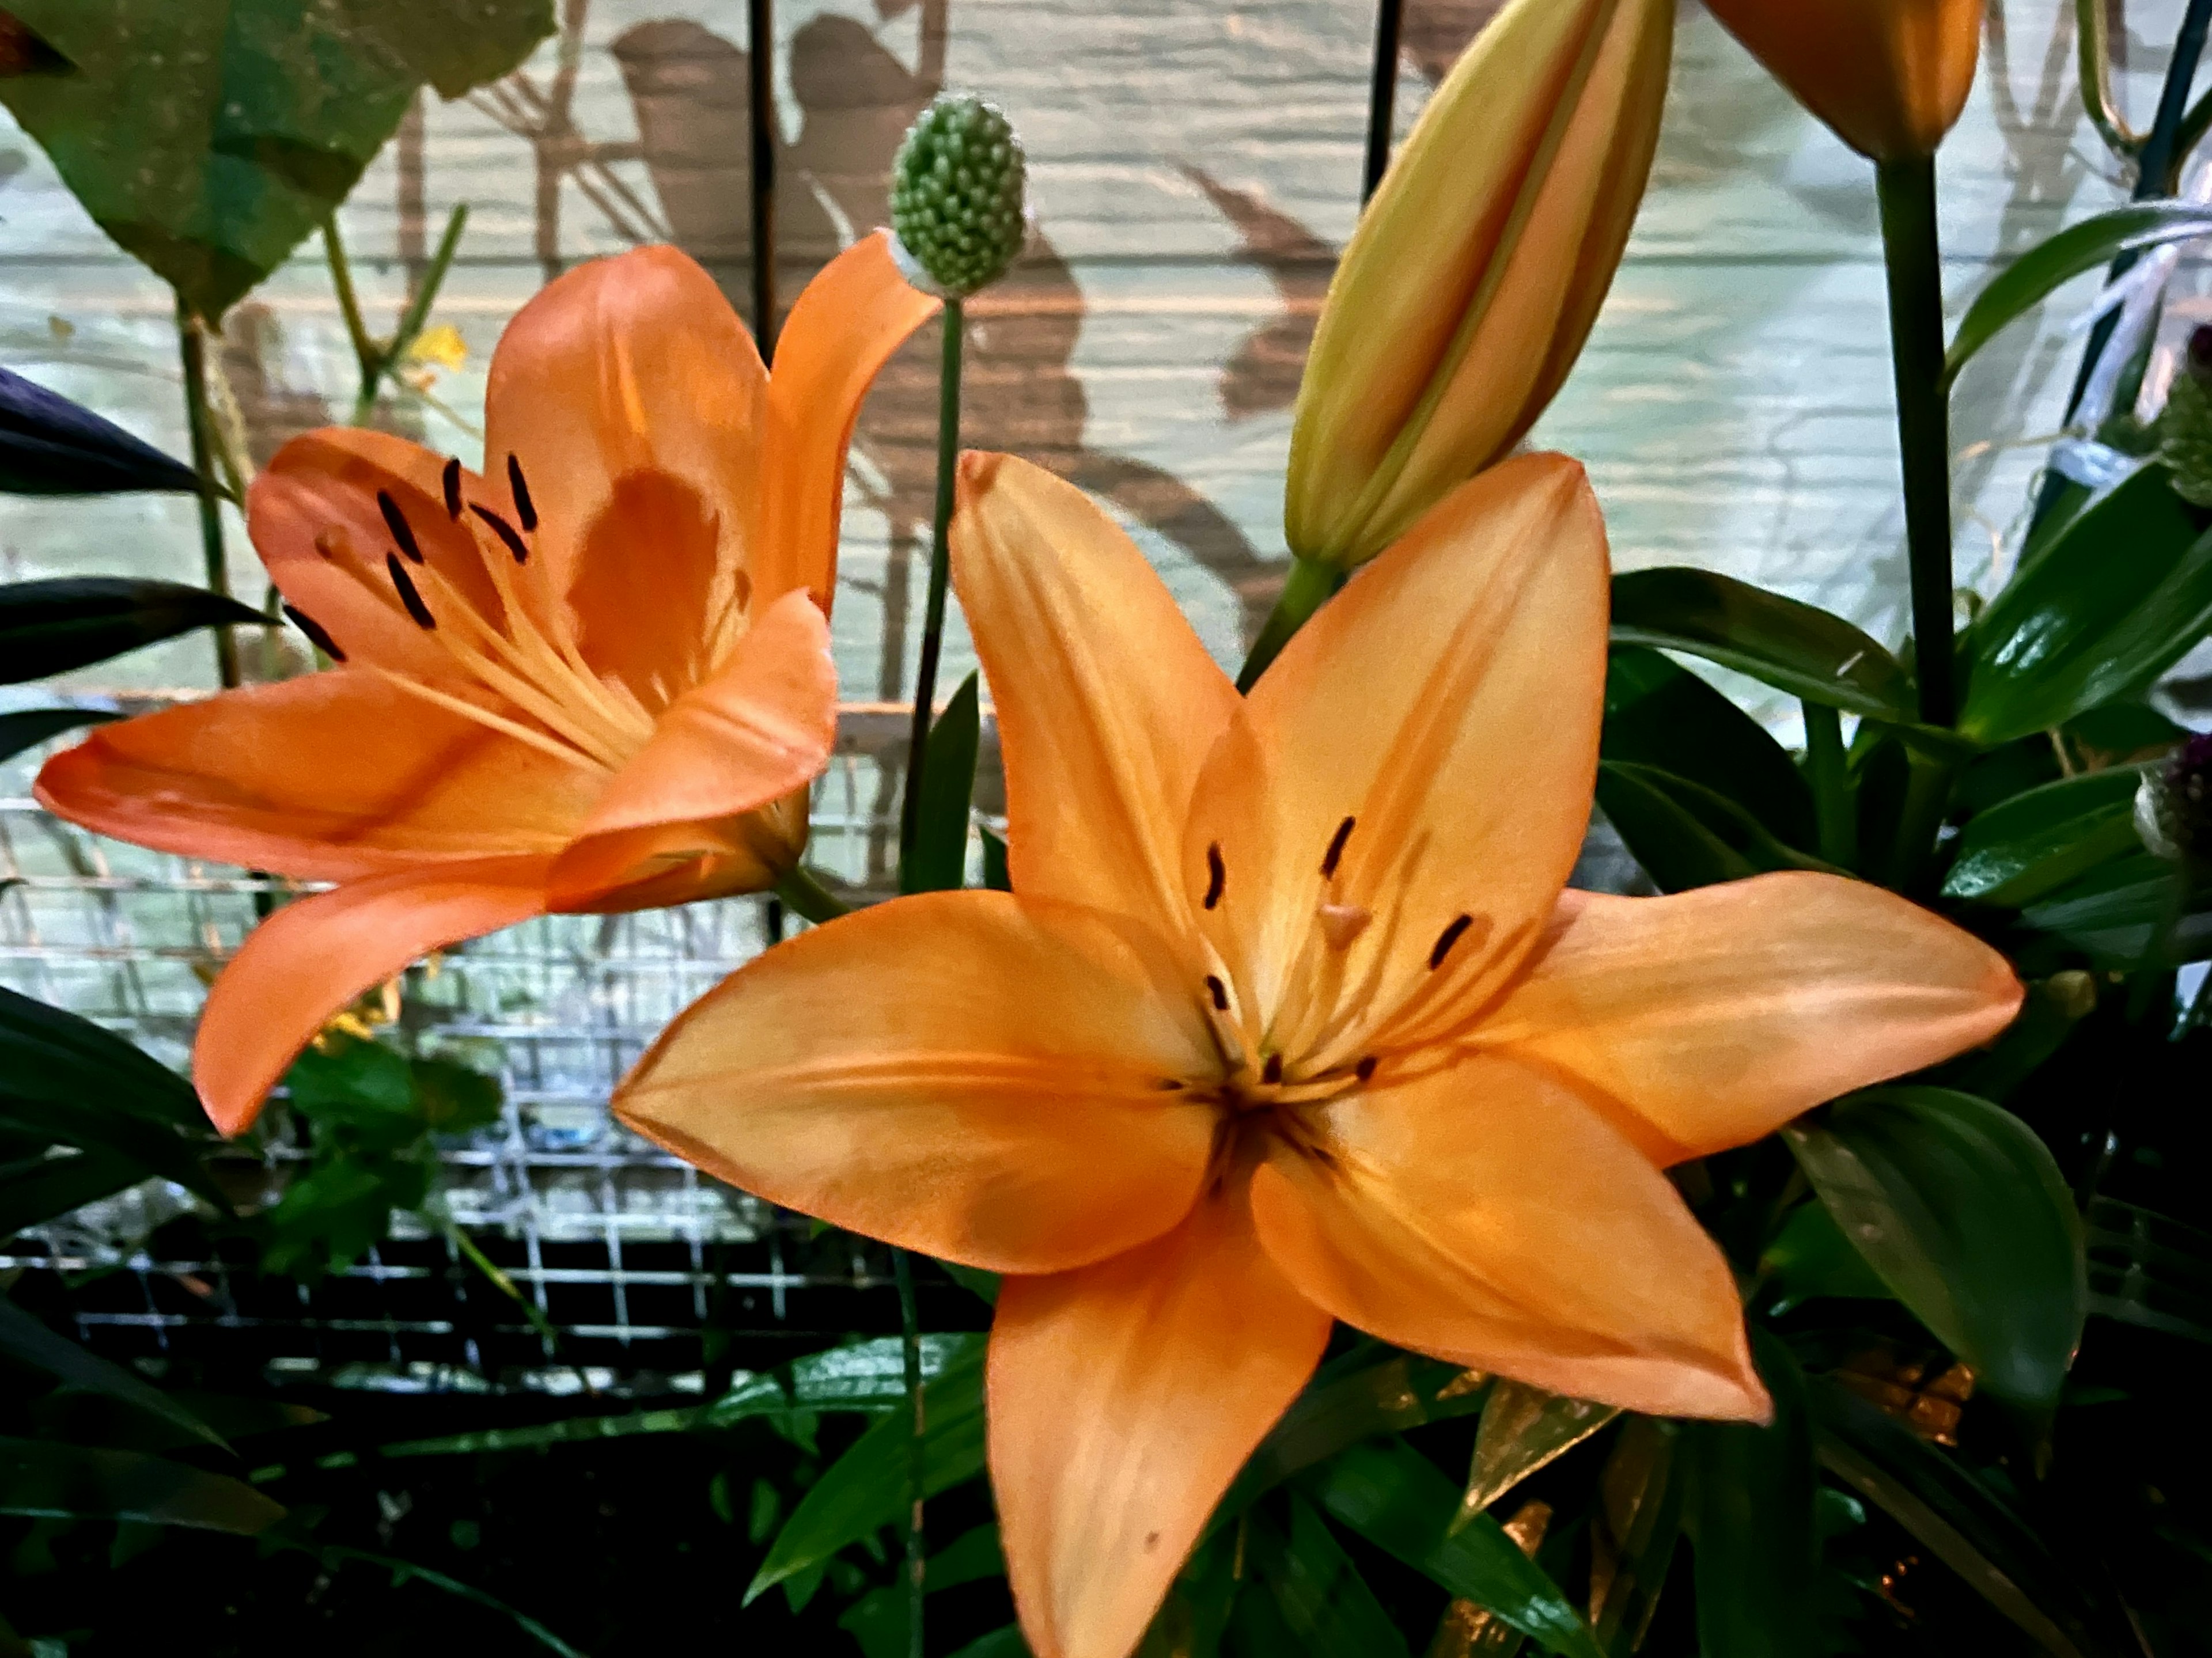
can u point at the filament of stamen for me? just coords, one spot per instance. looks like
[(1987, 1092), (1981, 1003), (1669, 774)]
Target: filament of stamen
[(484, 716)]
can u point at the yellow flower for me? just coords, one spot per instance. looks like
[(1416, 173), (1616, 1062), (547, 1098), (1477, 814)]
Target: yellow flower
[(1288, 1018), (1889, 76), (1476, 272)]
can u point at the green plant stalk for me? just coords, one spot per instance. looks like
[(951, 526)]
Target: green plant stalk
[(808, 898), (917, 1468), (364, 348), (191, 350), (940, 574), (497, 1276), (1910, 251), (417, 314), (1926, 796), (1305, 590), (1836, 811)]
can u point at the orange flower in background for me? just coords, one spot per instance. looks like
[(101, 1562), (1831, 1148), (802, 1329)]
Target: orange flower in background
[(1289, 1019), (597, 678), (1888, 76)]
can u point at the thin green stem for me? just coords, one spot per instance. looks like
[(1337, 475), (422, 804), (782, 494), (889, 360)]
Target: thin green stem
[(1910, 250), (191, 350), (1926, 797), (808, 898), (364, 348), (940, 574), (411, 321), (1836, 813), (917, 1468), (496, 1275), (2096, 78), (1305, 590)]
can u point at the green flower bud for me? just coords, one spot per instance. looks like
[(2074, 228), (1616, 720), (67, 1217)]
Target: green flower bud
[(2173, 806), (2184, 429), (957, 196)]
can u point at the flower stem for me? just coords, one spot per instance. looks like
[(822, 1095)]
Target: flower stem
[(806, 898), (916, 1454), (1907, 192), (940, 574), (1832, 787), (1926, 796), (364, 348), (191, 349), (1305, 590)]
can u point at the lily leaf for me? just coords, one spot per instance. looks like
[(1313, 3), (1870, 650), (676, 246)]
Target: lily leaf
[(1523, 1429), (52, 626), (2074, 252), (1634, 1530), (29, 728), (2107, 604), (1810, 1257), (43, 1477), (2111, 913), (2149, 1270), (27, 1339), (1796, 647), (1685, 835), (35, 1189), (50, 445), (939, 859), (2034, 843), (207, 138), (1961, 1209), (1323, 1600), (1753, 1522), (1658, 713)]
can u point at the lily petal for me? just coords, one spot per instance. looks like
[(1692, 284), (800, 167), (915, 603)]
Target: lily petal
[(1715, 1016), (1107, 703), (326, 777), (971, 1074), (1485, 1214), (761, 728), (845, 326), (630, 397), (1446, 704), (307, 961), (1123, 1398)]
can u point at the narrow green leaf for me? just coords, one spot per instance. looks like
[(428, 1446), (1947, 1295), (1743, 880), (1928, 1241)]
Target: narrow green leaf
[(1961, 1209), (1323, 1601), (994, 863), (34, 1190), (2149, 1270), (405, 1572), (1523, 1429), (31, 726), (2110, 914), (2074, 252), (1390, 1494), (1634, 1529), (96, 1418), (48, 1054), (939, 861), (42, 1478), (2034, 843), (103, 1132), (1794, 647), (1658, 713), (1752, 1524), (2109, 602), (52, 626), (1685, 835), (50, 445), (27, 1339), (877, 1620), (1005, 1642), (1810, 1258)]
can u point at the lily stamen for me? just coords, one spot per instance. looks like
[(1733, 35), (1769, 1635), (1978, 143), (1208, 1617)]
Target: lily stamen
[(525, 508), (402, 532)]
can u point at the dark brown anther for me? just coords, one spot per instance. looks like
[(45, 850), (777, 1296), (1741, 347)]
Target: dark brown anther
[(1447, 938), (1272, 1072), (504, 531), (1334, 855), (453, 479), (525, 508), (317, 635), (1217, 875), (408, 596), (1169, 1085), (396, 521), (1218, 991), (1366, 1069)]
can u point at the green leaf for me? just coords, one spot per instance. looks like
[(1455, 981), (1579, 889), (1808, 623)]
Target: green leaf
[(2110, 914), (1752, 1522), (1634, 1529), (2149, 1270), (1810, 1258), (1685, 835), (2113, 599), (1322, 1599), (995, 876), (2037, 841), (1390, 1494), (2074, 252), (29, 728), (865, 1490), (1659, 715), (1523, 1429), (877, 1620), (27, 1339), (95, 1418), (52, 626), (1959, 1520), (1005, 1642), (939, 861), (207, 138), (73, 1482), (1961, 1209), (454, 1099), (50, 445), (1796, 647), (36, 1189)]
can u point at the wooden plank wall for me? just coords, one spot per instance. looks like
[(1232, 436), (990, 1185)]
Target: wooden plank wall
[(1195, 164)]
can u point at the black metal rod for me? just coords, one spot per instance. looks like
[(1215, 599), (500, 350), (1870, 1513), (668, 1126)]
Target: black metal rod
[(761, 26), (1382, 94)]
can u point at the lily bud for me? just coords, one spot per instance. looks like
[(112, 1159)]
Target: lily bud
[(1888, 76), (958, 187), (1474, 275), (2173, 806)]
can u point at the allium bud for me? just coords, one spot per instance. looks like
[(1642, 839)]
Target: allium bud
[(958, 186), (2184, 428), (2173, 806)]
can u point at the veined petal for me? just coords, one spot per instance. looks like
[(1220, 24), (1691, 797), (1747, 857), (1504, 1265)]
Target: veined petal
[(973, 1074), (1485, 1214), (761, 728), (1715, 1016), (856, 312), (327, 777), (1123, 1398), (308, 960), (1446, 706), (629, 398), (1107, 703)]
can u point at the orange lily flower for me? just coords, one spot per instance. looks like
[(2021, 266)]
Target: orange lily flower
[(597, 679), (1888, 76), (1289, 1019)]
